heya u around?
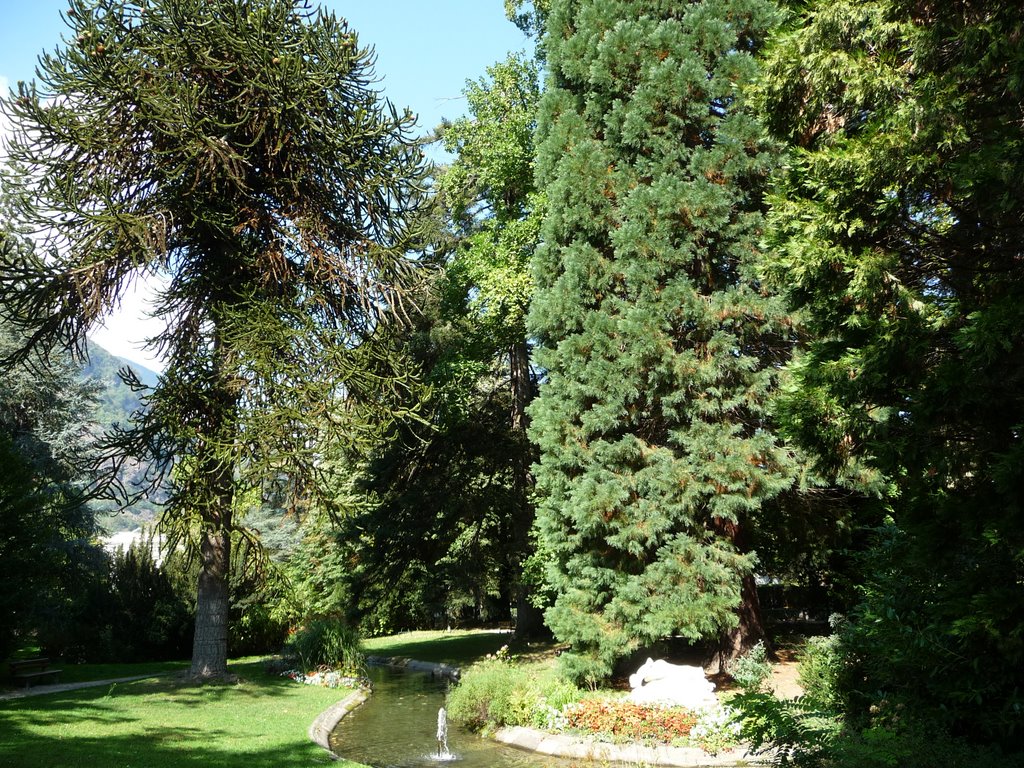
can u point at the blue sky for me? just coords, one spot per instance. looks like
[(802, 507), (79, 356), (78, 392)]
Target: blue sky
[(426, 50)]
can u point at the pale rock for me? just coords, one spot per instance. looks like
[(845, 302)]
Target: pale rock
[(672, 685)]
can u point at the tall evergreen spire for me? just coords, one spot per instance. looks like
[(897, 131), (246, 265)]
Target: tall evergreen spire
[(659, 346)]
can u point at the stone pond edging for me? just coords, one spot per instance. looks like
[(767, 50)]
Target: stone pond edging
[(581, 748), (326, 721), (541, 742)]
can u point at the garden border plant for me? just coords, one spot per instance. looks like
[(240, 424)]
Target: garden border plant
[(500, 692)]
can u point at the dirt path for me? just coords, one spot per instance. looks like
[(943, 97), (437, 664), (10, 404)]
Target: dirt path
[(784, 680)]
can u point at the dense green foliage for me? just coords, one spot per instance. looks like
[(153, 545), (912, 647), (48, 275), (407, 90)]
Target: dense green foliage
[(144, 613), (896, 231), (444, 530), (327, 642), (660, 346), (46, 447), (495, 693), (239, 154)]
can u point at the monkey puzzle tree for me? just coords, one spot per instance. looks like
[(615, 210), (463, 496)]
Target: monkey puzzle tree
[(236, 152), (660, 346)]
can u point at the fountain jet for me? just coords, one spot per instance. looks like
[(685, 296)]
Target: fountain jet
[(442, 735)]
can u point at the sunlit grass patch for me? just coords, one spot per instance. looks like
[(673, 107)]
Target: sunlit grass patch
[(259, 721)]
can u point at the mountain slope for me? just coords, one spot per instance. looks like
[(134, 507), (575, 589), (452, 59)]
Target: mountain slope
[(116, 403)]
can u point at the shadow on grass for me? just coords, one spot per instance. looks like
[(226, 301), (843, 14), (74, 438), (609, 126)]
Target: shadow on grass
[(158, 748), (165, 724), (75, 673), (456, 648)]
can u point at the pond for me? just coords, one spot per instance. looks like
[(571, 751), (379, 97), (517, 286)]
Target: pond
[(397, 728)]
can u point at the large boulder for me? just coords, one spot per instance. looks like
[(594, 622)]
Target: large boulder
[(671, 685)]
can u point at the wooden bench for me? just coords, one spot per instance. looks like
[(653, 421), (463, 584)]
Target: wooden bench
[(32, 670)]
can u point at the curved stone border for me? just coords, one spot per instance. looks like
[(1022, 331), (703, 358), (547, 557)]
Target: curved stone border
[(326, 721), (581, 748), (320, 730)]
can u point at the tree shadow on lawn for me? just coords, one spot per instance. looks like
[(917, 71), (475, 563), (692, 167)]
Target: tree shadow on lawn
[(458, 648), (156, 748), (162, 724)]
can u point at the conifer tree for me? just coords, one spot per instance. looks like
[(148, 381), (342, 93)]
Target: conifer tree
[(896, 230), (237, 153), (659, 344), (47, 438)]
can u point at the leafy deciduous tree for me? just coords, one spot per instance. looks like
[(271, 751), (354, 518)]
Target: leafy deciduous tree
[(447, 525)]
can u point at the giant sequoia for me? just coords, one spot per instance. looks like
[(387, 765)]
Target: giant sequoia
[(659, 345), (236, 152)]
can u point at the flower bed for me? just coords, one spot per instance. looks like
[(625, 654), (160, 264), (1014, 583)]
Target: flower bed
[(714, 730), (626, 720), (326, 677)]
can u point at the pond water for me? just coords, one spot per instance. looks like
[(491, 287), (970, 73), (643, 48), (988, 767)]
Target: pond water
[(397, 728)]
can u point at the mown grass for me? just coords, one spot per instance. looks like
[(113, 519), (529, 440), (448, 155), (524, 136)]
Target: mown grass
[(455, 647), (259, 722), (77, 673)]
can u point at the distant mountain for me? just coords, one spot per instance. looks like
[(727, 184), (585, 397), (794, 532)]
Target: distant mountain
[(117, 399), (116, 403)]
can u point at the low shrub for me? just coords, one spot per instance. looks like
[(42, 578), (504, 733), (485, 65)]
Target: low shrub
[(329, 643), (752, 670), (496, 693), (820, 668)]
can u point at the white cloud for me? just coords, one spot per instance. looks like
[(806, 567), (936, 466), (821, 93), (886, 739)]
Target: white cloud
[(125, 330)]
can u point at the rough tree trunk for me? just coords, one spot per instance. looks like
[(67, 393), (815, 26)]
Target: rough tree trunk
[(529, 620), (747, 633), (749, 629), (522, 384), (210, 642)]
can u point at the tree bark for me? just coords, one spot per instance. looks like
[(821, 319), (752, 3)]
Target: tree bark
[(522, 384), (210, 642), (749, 629), (747, 633), (529, 619)]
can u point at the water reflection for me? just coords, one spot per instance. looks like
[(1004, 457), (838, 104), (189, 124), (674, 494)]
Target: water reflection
[(397, 728)]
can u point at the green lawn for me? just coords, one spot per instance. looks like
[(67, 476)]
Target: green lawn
[(258, 722), (76, 673), (456, 647)]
